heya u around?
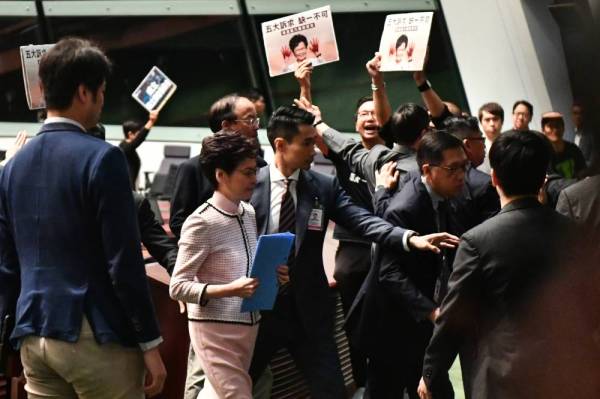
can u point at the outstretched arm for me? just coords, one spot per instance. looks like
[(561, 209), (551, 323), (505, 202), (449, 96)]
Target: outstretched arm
[(383, 108), (303, 74)]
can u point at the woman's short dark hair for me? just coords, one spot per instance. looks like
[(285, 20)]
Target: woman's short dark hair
[(225, 151), (432, 146), (285, 123), (526, 104), (493, 108), (222, 110), (520, 161), (131, 126), (296, 40), (403, 39), (68, 64)]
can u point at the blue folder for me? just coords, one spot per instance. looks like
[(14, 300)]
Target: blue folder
[(272, 250)]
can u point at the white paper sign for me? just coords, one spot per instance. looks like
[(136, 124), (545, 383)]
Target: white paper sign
[(295, 38), (155, 90), (30, 65), (404, 41)]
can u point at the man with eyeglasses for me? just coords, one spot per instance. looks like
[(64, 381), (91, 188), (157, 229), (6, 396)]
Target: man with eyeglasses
[(479, 197), (406, 289)]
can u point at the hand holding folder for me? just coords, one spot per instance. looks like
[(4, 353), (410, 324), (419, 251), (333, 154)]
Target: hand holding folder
[(272, 251)]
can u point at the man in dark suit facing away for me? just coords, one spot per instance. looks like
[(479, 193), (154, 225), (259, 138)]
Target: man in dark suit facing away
[(84, 318), (501, 269), (290, 197)]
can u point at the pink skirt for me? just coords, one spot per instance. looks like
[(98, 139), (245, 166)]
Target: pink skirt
[(225, 352)]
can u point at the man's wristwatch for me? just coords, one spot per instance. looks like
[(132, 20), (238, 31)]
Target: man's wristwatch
[(424, 86)]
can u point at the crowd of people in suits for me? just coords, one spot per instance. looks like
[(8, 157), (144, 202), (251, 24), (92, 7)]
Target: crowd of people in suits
[(452, 243)]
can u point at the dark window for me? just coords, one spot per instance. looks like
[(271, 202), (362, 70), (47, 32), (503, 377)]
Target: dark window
[(203, 55), (15, 32)]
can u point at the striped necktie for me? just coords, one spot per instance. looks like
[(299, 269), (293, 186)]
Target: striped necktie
[(287, 214)]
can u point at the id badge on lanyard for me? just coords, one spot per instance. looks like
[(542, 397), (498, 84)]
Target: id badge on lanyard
[(315, 220)]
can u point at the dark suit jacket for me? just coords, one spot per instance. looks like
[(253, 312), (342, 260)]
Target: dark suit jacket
[(501, 267), (307, 275), (581, 202), (479, 200), (68, 229), (399, 291), (192, 189), (588, 147), (160, 246)]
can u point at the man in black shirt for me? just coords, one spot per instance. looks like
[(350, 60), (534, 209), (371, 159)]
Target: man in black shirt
[(567, 159), (135, 134)]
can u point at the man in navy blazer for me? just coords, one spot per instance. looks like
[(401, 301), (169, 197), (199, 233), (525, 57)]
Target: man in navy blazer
[(84, 318), (302, 319)]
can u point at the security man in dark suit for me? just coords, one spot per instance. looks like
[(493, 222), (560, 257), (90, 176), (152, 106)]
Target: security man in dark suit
[(502, 268), (404, 290), (290, 197)]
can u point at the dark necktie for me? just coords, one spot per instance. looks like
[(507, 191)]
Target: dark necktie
[(287, 214), (441, 285), (287, 223)]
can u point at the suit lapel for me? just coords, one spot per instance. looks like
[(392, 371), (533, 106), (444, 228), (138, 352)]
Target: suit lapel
[(261, 200), (305, 197)]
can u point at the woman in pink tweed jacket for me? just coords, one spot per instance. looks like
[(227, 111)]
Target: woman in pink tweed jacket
[(216, 249)]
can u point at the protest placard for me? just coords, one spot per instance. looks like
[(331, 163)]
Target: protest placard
[(295, 38), (155, 90), (404, 41), (30, 65)]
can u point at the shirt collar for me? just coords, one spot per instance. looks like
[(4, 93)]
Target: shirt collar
[(60, 119), (276, 174), (435, 197), (225, 204)]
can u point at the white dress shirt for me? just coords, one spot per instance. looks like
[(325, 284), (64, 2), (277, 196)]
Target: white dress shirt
[(277, 191), (60, 119)]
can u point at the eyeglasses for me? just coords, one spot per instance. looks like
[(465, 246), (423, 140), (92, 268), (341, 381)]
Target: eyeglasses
[(254, 122), (453, 170), (366, 114)]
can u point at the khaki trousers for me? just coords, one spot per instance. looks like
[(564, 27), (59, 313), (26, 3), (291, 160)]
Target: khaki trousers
[(86, 370)]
